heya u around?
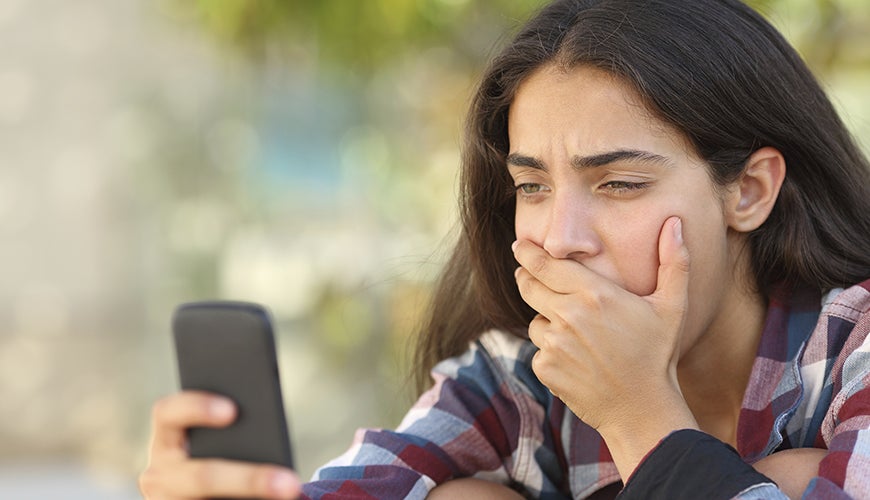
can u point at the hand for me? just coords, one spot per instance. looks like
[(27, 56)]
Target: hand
[(608, 354), (172, 474)]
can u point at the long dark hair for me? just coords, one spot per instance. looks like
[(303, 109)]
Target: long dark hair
[(719, 73)]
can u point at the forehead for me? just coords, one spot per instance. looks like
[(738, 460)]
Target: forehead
[(588, 109)]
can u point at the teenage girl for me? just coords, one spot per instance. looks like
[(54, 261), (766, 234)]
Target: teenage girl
[(660, 288)]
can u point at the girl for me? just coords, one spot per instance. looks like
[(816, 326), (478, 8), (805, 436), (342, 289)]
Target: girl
[(660, 288)]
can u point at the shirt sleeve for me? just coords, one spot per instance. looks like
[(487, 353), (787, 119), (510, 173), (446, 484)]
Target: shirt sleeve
[(467, 424), (690, 464)]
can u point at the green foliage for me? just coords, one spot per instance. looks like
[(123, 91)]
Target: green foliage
[(353, 33), (364, 35)]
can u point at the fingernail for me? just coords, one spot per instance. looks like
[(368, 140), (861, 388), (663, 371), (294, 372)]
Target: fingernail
[(678, 231), (221, 408), (283, 483), (514, 246)]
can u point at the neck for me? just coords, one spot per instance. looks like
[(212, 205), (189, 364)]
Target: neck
[(714, 373)]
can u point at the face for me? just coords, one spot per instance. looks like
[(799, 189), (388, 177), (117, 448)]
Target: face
[(597, 177)]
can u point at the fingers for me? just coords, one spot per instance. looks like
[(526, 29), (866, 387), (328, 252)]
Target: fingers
[(538, 296), (673, 275), (207, 478), (541, 279), (173, 414), (537, 329), (554, 287), (172, 474), (559, 275), (540, 272), (594, 336)]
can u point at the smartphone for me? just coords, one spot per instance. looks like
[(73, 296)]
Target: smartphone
[(228, 348)]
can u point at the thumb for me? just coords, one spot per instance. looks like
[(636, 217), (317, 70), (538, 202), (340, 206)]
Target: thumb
[(672, 287)]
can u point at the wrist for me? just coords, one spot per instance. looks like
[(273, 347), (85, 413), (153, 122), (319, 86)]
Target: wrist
[(631, 438)]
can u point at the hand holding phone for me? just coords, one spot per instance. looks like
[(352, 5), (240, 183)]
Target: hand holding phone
[(228, 348)]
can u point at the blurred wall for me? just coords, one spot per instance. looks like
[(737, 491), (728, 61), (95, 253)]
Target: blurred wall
[(302, 154)]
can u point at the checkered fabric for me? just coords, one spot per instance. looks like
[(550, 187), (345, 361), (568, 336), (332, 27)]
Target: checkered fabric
[(489, 417)]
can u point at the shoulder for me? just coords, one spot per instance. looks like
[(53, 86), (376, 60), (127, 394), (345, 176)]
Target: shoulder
[(847, 318), (842, 335), (496, 362), (850, 304), (494, 345), (843, 323)]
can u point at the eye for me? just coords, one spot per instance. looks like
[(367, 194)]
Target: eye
[(619, 187), (530, 188)]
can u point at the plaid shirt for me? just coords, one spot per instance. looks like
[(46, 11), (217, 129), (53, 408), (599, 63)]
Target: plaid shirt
[(489, 417)]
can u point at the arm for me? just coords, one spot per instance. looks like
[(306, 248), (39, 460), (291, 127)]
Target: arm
[(468, 423), (473, 488), (792, 470), (691, 464), (472, 422)]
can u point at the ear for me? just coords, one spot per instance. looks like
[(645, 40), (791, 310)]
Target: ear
[(751, 197)]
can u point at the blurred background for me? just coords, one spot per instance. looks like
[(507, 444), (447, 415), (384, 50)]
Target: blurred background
[(298, 153)]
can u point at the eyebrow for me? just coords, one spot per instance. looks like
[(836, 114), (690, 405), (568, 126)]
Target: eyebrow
[(592, 161)]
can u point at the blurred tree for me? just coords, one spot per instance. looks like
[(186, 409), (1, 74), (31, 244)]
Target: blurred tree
[(363, 35), (358, 34)]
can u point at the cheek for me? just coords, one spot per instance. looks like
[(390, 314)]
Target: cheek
[(635, 254)]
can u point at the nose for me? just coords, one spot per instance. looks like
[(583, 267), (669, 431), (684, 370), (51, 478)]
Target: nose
[(570, 231)]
